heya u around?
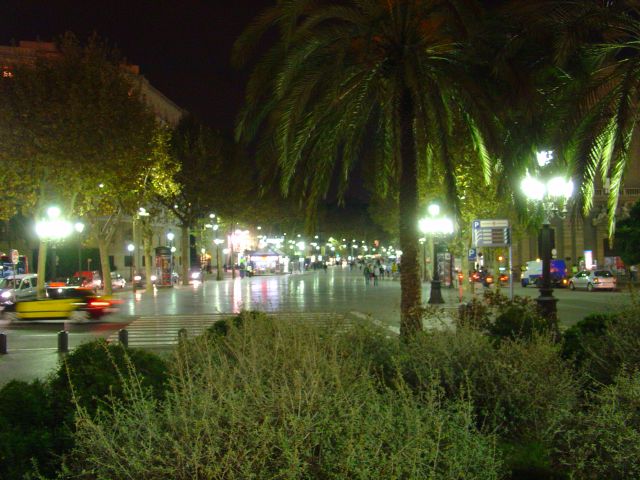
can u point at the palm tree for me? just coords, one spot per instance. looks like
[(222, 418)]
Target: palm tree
[(598, 45), (367, 81)]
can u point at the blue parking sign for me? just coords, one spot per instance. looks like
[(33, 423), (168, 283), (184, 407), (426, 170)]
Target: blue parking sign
[(472, 254)]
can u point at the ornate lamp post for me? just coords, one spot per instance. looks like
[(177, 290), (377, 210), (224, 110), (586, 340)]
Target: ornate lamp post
[(435, 225), (552, 194)]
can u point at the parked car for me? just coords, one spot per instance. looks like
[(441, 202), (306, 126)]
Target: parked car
[(117, 280), (89, 279), (18, 288), (593, 280), (74, 303)]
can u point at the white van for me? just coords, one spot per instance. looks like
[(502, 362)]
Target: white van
[(18, 288)]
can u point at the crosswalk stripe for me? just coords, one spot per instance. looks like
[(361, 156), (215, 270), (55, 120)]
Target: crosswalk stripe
[(163, 330)]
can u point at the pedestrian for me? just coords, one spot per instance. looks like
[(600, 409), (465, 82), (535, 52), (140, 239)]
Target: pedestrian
[(633, 272), (324, 267), (374, 275), (366, 274)]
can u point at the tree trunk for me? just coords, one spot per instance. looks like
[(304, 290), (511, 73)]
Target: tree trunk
[(42, 267), (185, 247), (103, 247), (148, 259), (411, 301)]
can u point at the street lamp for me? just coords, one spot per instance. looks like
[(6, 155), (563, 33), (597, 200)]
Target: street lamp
[(170, 237), (435, 225), (50, 229), (131, 247), (552, 194)]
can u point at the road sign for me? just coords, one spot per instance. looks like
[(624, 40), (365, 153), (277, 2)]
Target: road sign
[(491, 233), (472, 254), (15, 256)]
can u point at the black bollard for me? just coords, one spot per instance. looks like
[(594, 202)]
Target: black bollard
[(3, 343), (123, 337), (63, 341)]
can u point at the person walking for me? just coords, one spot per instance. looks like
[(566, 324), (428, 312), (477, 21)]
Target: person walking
[(374, 274), (366, 273)]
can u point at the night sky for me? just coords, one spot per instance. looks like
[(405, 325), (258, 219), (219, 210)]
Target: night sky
[(182, 46)]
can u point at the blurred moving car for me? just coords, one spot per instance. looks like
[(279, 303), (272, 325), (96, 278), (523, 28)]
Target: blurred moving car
[(593, 280), (18, 288), (117, 280), (74, 303)]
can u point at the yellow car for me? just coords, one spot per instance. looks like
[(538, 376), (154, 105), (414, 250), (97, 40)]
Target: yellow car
[(76, 304)]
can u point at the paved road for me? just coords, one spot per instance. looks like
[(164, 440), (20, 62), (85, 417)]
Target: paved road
[(156, 318)]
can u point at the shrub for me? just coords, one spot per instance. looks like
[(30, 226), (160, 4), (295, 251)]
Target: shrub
[(520, 388), (603, 346), (28, 431), (502, 318), (603, 441), (96, 370), (517, 321), (274, 400)]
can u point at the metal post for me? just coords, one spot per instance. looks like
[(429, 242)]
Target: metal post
[(123, 337), (132, 272), (435, 296), (63, 341), (546, 301), (3, 343)]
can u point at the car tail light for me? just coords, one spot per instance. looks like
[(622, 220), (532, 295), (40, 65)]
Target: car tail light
[(564, 281), (595, 280), (99, 303)]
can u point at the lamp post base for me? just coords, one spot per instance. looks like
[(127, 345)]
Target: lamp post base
[(548, 308), (435, 297)]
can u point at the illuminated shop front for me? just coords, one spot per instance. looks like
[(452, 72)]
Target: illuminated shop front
[(267, 261)]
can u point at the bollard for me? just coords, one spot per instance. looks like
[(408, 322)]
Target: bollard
[(63, 341), (3, 343), (123, 337)]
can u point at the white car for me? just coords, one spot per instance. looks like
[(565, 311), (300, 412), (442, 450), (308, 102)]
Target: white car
[(593, 280), (117, 280)]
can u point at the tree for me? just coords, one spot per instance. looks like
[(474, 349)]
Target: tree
[(596, 46), (393, 76), (81, 131), (211, 180)]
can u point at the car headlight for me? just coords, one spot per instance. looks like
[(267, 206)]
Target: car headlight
[(6, 294)]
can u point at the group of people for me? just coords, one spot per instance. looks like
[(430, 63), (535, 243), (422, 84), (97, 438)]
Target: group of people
[(372, 271)]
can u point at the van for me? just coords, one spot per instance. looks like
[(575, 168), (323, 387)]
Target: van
[(18, 288), (533, 273)]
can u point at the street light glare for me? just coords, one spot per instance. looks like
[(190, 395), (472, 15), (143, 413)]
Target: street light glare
[(131, 247), (434, 209), (53, 212), (79, 226), (533, 188)]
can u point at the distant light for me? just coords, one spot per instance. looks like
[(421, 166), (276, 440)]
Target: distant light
[(79, 226), (212, 215), (131, 247), (101, 185)]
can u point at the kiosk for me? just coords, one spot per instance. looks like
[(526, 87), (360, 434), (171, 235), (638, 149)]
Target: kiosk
[(163, 267)]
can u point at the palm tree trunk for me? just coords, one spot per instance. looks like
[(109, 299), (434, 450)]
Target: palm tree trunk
[(411, 301)]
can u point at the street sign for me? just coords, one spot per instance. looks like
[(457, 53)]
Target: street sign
[(472, 254), (15, 256), (491, 233)]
